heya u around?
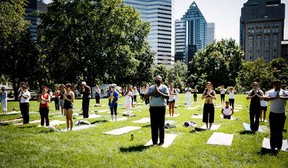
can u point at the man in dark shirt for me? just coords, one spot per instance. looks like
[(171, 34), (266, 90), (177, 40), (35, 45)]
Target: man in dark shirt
[(86, 95)]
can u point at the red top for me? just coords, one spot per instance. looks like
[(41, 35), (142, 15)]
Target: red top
[(44, 104)]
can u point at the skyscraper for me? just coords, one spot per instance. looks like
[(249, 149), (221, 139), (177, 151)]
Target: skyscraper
[(210, 33), (160, 14), (190, 34), (262, 29), (31, 8)]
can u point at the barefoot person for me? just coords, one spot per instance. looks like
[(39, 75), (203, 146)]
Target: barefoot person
[(227, 111), (68, 99), (263, 109), (128, 99), (208, 110), (113, 101), (158, 93), (86, 92), (61, 103), (24, 97), (188, 91), (56, 98), (171, 100), (195, 92), (255, 95), (277, 98), (97, 94), (231, 96), (44, 100), (222, 94), (4, 99)]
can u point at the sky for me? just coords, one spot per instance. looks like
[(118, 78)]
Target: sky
[(224, 13)]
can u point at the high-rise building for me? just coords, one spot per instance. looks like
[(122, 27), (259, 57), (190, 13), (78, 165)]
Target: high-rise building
[(160, 14), (190, 34), (32, 7), (262, 29), (284, 49), (210, 33)]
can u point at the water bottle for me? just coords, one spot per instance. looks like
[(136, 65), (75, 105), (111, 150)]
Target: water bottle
[(132, 136)]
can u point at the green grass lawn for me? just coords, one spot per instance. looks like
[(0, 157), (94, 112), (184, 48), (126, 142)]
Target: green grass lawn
[(33, 146)]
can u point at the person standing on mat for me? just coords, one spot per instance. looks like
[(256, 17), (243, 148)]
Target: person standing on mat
[(68, 99), (97, 94), (188, 91), (231, 96), (128, 99), (255, 95), (277, 98), (158, 93), (44, 100), (171, 100), (24, 97), (113, 101), (208, 110), (56, 98), (4, 99), (222, 94), (61, 103), (263, 108), (86, 92), (195, 91)]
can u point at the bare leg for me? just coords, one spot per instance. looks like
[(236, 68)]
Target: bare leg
[(260, 116), (70, 114), (172, 109), (264, 115), (210, 126), (67, 118), (206, 125)]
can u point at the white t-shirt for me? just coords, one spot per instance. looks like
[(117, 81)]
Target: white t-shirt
[(25, 94), (227, 111), (171, 95), (222, 91), (277, 105), (231, 95), (263, 103), (188, 89), (128, 98)]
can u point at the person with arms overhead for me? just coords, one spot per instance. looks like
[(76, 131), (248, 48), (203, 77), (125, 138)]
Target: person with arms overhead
[(158, 93)]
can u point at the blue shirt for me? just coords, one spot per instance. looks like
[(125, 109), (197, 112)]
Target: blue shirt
[(4, 95), (157, 100), (114, 99)]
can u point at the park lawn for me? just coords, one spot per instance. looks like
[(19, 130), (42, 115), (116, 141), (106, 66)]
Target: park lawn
[(33, 146)]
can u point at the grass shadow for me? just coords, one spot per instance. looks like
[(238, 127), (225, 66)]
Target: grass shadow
[(99, 121), (245, 132), (27, 126), (265, 151), (4, 124), (146, 126), (46, 131), (138, 148)]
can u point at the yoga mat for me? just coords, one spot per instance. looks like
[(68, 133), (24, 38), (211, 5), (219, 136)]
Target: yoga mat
[(12, 112), (213, 127), (219, 138), (199, 116), (7, 121), (30, 122), (121, 131), (90, 116), (129, 115), (266, 144), (78, 128), (175, 115), (102, 111), (121, 119), (169, 122), (168, 140), (57, 122), (239, 108), (191, 108), (247, 127), (142, 120), (236, 110)]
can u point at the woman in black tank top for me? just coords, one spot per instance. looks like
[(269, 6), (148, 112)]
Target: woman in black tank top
[(68, 98)]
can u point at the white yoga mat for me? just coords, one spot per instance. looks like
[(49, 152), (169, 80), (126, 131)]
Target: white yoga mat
[(121, 119), (247, 127), (191, 108), (103, 111), (175, 115), (213, 127), (168, 140), (81, 127), (12, 112), (142, 120), (238, 105), (57, 122), (30, 122), (199, 116), (239, 108), (7, 121), (121, 131), (219, 138), (266, 144), (236, 110), (90, 116), (169, 122)]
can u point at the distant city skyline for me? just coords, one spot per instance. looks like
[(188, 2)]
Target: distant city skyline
[(227, 20)]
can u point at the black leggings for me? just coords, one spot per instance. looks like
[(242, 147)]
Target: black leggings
[(44, 113), (222, 97), (114, 109), (231, 102), (24, 107)]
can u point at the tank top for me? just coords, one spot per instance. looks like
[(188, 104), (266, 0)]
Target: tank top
[(44, 104), (67, 103)]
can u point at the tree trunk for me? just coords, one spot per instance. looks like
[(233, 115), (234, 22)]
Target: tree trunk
[(15, 88)]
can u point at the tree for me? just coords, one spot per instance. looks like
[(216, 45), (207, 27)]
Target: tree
[(19, 55), (92, 40), (161, 70), (219, 63), (256, 71), (178, 74)]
